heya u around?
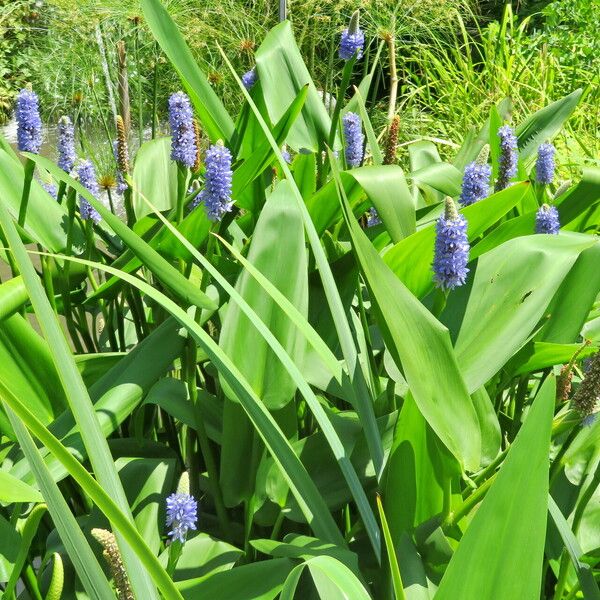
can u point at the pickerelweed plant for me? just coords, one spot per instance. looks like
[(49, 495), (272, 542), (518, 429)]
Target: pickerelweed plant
[(371, 378)]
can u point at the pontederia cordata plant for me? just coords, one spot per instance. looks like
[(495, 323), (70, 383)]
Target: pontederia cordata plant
[(274, 363)]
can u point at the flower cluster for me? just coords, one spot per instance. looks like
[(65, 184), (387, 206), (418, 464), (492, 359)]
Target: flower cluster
[(112, 555), (182, 514), (509, 157), (121, 184), (373, 217), (354, 138), (29, 123), (183, 137), (66, 144), (216, 195), (547, 220), (249, 78), (476, 179), (451, 249), (353, 40), (544, 166), (87, 178)]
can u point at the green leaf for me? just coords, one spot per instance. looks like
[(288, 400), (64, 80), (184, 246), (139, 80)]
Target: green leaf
[(512, 285), (9, 548), (203, 555), (282, 75), (154, 176), (334, 581), (259, 581), (419, 344), (391, 552), (14, 490), (387, 189), (279, 220), (545, 124), (215, 119), (584, 571), (508, 530)]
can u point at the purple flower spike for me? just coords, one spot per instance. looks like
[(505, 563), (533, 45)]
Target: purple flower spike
[(87, 178), (66, 144), (183, 137), (354, 138), (508, 157), (353, 40), (249, 78), (547, 220), (29, 124), (373, 217), (216, 195), (544, 167), (476, 183), (182, 514), (451, 249)]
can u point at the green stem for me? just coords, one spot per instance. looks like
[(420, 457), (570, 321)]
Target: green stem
[(29, 170), (346, 75), (136, 44), (155, 94), (465, 508)]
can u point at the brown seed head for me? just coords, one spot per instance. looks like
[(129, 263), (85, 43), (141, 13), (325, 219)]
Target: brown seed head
[(112, 556), (392, 141)]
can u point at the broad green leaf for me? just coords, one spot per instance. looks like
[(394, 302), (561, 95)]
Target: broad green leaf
[(419, 344), (411, 258), (334, 581), (545, 124), (13, 294), (493, 316), (279, 220), (154, 176), (425, 163), (282, 75), (203, 555), (9, 548), (508, 530), (491, 433), (259, 581), (14, 490), (387, 189), (215, 119), (541, 355), (442, 177), (415, 473)]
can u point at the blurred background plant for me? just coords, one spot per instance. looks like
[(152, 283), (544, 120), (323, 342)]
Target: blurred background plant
[(454, 59)]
